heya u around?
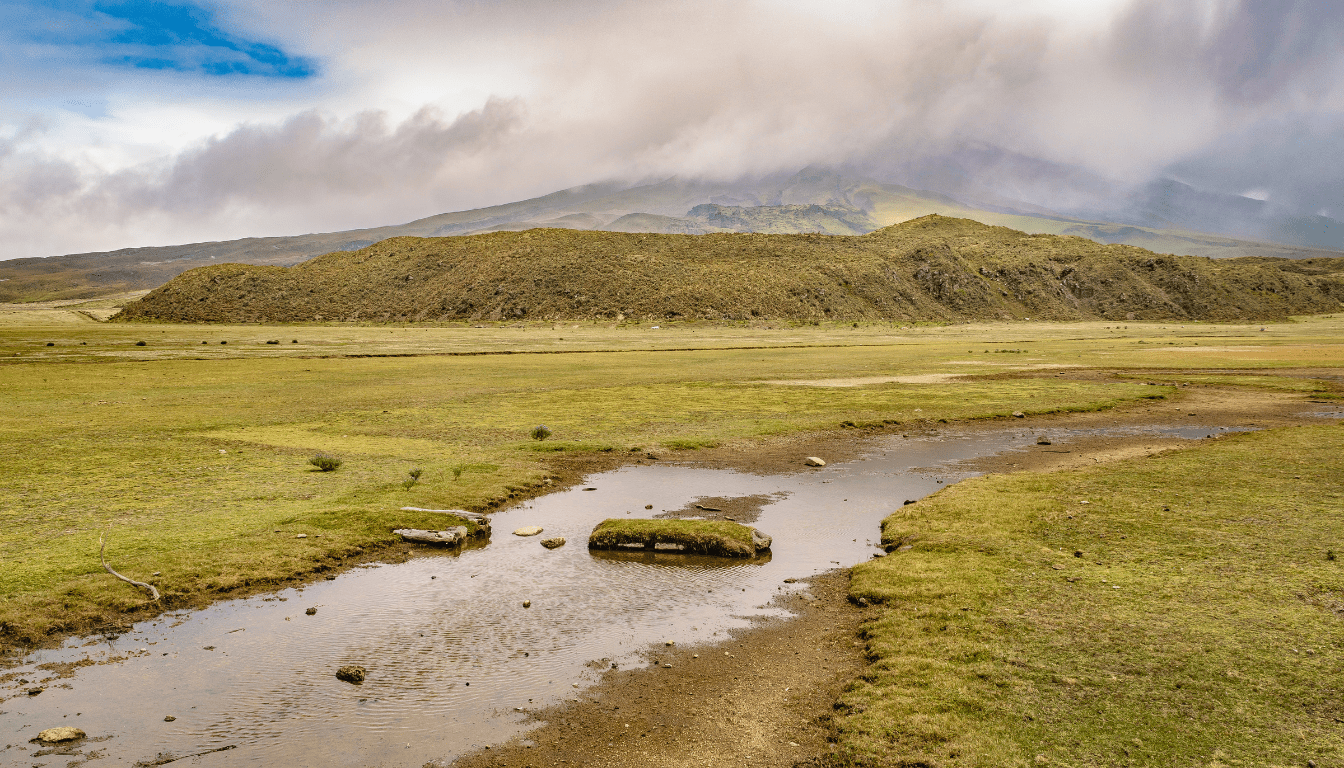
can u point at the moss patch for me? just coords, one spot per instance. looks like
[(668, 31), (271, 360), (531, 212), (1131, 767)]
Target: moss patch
[(704, 537)]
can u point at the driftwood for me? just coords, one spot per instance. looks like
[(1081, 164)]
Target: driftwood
[(455, 535), (480, 520), (154, 593)]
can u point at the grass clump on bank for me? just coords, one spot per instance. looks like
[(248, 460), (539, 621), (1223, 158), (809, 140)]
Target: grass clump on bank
[(1199, 623), (704, 537)]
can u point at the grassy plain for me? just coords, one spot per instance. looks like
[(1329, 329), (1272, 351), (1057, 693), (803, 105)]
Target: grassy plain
[(1119, 615), (196, 454)]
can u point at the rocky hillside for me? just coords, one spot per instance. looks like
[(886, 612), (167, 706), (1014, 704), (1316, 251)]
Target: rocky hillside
[(931, 268)]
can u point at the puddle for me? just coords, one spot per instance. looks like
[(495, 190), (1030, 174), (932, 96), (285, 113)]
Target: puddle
[(452, 655)]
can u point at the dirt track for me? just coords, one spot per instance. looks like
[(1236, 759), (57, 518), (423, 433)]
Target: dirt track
[(765, 698)]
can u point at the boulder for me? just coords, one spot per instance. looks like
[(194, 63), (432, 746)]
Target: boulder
[(62, 734), (813, 461), (760, 540), (558, 541), (529, 530)]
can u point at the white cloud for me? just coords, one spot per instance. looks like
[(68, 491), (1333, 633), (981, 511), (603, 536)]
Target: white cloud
[(427, 106)]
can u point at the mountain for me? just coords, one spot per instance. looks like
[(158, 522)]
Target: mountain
[(811, 200), (930, 268)]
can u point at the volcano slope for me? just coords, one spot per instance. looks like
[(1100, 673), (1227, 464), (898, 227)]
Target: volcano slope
[(931, 268)]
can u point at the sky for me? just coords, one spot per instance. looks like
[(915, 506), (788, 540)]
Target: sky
[(136, 122)]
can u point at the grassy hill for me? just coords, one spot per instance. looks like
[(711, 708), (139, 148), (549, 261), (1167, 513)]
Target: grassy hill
[(931, 268)]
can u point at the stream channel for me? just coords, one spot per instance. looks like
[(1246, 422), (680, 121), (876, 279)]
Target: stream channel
[(454, 660)]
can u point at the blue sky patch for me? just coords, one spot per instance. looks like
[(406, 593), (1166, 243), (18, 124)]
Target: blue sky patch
[(152, 34)]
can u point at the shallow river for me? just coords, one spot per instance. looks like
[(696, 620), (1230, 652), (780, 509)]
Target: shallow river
[(452, 655)]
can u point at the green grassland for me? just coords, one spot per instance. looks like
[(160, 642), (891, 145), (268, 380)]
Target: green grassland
[(1119, 615), (196, 454)]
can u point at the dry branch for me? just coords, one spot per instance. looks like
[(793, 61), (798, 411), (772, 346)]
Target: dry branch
[(154, 593)]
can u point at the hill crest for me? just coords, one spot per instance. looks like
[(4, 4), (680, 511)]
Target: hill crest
[(929, 268)]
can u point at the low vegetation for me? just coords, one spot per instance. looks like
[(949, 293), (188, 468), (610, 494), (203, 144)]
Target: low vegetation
[(1120, 615), (932, 268), (703, 537), (197, 460)]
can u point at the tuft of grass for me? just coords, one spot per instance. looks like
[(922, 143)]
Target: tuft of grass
[(325, 462), (1199, 626)]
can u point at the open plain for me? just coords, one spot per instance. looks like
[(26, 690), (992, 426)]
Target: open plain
[(984, 640)]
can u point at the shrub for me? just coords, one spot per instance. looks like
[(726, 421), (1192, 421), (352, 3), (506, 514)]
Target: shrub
[(415, 477), (325, 462), (541, 432), (458, 469)]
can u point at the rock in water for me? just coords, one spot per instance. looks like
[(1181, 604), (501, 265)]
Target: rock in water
[(760, 540), (813, 461), (1042, 441), (351, 673), (59, 735), (530, 530), (558, 541)]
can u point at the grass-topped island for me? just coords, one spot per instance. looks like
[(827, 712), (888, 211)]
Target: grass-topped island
[(702, 537)]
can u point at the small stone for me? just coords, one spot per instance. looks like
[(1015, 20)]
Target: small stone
[(311, 612), (558, 541), (1019, 415), (908, 502), (527, 603), (1042, 441), (168, 718), (529, 530), (1078, 553), (301, 536), (35, 691), (59, 735), (669, 643), (648, 506), (790, 581), (813, 461), (351, 673)]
